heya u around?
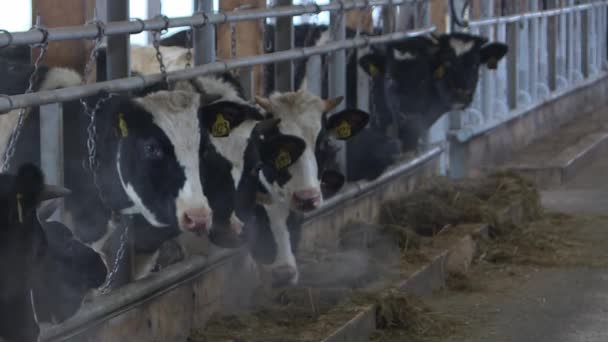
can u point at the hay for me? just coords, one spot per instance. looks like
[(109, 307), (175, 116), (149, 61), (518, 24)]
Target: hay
[(439, 202)]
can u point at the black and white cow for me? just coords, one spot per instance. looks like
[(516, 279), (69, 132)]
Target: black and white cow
[(14, 80), (23, 247), (298, 188), (419, 79)]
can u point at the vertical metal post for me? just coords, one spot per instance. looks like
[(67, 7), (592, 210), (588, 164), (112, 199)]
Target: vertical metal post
[(533, 59), (118, 66), (154, 9), (512, 67), (118, 61), (51, 147), (337, 71), (203, 39), (283, 71), (487, 86), (552, 38), (585, 42)]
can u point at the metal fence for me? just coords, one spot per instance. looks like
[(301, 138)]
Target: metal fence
[(551, 52)]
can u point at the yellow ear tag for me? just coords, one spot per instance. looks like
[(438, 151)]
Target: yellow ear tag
[(20, 207), (283, 160), (221, 126), (439, 72), (343, 130), (122, 125), (373, 70), (492, 63)]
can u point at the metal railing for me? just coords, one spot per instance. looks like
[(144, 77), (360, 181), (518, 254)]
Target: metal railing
[(551, 52)]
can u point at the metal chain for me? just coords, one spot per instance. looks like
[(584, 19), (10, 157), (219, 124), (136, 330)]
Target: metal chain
[(93, 165), (124, 224), (189, 48), (24, 112), (156, 44)]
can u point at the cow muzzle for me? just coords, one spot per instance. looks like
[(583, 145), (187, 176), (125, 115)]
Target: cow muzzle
[(306, 200), (230, 236), (197, 220)]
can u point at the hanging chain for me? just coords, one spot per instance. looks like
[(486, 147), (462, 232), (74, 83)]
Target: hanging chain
[(124, 224), (93, 164), (189, 47), (24, 112), (156, 44)]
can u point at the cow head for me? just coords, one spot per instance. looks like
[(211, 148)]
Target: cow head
[(305, 116), (456, 63), (241, 144), (22, 248), (159, 138)]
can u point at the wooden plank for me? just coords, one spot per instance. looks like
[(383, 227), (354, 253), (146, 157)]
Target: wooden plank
[(439, 10), (70, 53), (249, 38)]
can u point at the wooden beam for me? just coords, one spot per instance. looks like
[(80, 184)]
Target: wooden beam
[(249, 38), (70, 53), (439, 10)]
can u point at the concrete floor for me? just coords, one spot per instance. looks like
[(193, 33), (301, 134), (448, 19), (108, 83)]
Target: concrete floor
[(548, 304)]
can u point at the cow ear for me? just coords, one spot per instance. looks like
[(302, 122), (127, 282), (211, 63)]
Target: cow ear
[(220, 118), (492, 53), (281, 151), (347, 123), (372, 63), (331, 182)]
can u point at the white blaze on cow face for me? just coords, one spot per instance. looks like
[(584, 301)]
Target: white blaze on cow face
[(403, 56), (461, 47), (176, 114), (301, 116)]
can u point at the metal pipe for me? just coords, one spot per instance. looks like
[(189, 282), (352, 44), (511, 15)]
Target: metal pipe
[(360, 189), (337, 76), (51, 148), (137, 82), (203, 37), (283, 40), (136, 26)]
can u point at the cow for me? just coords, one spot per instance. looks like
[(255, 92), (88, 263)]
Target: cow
[(418, 79), (14, 81), (23, 246), (298, 188)]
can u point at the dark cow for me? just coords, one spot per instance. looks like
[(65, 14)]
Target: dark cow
[(421, 78), (298, 188), (23, 246)]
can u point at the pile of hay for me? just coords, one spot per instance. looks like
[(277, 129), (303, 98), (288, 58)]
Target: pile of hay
[(403, 317), (439, 202)]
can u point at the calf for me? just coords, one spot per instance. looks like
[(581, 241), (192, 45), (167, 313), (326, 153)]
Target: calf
[(298, 188), (23, 246), (419, 79)]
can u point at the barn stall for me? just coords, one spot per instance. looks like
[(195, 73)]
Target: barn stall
[(168, 305)]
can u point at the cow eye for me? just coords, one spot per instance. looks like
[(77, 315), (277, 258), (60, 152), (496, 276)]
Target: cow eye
[(153, 151)]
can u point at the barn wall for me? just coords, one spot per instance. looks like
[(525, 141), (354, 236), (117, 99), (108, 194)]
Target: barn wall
[(71, 53), (249, 36)]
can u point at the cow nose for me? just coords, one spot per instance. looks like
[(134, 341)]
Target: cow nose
[(307, 200), (196, 220)]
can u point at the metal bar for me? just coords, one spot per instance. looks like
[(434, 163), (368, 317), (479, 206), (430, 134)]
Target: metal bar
[(154, 9), (122, 27), (284, 40), (538, 14), (118, 55), (512, 67), (313, 75), (246, 80), (203, 37), (585, 43), (533, 57), (337, 75), (118, 64), (137, 82), (51, 147), (552, 46)]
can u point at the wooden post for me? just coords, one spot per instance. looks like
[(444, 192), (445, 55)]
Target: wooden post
[(69, 53), (439, 10), (249, 38)]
